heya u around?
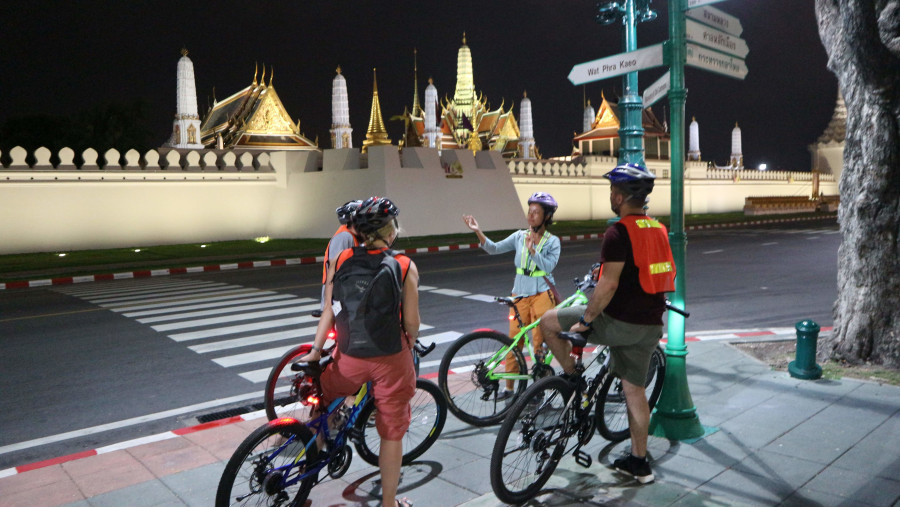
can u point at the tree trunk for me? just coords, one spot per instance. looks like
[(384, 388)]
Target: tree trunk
[(862, 39)]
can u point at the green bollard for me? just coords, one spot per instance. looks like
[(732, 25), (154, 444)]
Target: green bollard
[(805, 367)]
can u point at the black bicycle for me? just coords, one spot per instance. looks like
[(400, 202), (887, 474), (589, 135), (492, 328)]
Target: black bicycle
[(537, 430)]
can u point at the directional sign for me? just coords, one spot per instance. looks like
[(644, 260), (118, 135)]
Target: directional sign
[(657, 90), (717, 19), (617, 65), (697, 3), (708, 59), (712, 38)]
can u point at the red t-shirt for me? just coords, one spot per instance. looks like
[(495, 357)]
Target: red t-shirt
[(630, 303)]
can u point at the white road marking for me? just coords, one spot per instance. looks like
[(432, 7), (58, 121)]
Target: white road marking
[(713, 251), (223, 301), (218, 311), (235, 318)]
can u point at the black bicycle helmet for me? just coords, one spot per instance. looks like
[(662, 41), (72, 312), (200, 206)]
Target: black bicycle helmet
[(373, 214), (634, 179), (345, 212)]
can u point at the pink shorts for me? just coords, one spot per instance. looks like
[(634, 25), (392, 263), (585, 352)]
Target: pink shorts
[(394, 384)]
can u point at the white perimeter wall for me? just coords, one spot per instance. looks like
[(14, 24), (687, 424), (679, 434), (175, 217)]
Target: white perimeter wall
[(286, 195)]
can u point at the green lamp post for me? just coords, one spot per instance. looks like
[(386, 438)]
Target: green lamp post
[(675, 416), (631, 132)]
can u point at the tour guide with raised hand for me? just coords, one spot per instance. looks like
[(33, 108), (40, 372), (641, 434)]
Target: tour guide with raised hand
[(625, 311), (537, 253), (343, 238), (380, 351)]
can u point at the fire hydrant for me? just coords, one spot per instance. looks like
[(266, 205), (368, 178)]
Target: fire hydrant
[(804, 366)]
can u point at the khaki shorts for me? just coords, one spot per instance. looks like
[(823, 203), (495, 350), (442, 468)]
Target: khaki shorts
[(630, 345)]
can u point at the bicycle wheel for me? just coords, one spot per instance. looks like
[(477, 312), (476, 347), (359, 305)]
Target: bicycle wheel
[(281, 399), (612, 412), (429, 412), (463, 378), (261, 467), (531, 441)]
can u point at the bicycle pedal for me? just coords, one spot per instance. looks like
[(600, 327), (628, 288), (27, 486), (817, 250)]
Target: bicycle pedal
[(582, 458)]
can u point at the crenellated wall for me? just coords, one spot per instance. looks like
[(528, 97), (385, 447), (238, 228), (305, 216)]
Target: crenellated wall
[(182, 196), (583, 193)]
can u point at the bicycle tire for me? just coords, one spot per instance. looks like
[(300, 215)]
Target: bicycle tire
[(280, 395), (243, 481), (428, 415), (472, 397), (612, 411), (531, 442)]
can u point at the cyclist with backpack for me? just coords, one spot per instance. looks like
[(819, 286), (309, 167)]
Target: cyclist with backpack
[(537, 253), (370, 286), (342, 239), (625, 311)]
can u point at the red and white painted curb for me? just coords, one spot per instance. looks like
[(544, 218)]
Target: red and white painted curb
[(66, 280)]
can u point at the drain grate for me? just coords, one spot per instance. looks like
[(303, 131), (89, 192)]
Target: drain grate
[(231, 412)]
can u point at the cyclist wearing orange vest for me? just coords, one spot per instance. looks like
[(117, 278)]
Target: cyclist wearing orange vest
[(625, 311), (342, 239), (393, 376)]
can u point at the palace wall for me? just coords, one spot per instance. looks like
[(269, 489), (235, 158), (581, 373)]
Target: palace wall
[(51, 204)]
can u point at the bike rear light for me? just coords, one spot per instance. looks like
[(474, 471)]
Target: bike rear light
[(312, 400), (331, 334), (511, 317), (577, 351)]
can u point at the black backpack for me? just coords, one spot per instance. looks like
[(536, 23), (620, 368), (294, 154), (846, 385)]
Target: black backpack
[(368, 288)]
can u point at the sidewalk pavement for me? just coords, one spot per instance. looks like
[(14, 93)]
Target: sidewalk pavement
[(772, 440)]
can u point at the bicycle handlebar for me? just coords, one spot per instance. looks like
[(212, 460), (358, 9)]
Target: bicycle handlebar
[(676, 309)]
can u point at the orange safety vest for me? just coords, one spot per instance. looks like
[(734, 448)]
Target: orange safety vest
[(342, 228), (652, 254)]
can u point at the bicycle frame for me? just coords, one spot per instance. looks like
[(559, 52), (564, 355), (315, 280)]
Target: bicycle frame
[(491, 364), (319, 425)]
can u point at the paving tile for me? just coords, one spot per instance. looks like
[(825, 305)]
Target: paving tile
[(146, 494), (790, 471), (747, 488), (106, 472), (46, 495), (856, 487), (687, 472), (177, 460), (220, 442), (34, 479), (197, 487)]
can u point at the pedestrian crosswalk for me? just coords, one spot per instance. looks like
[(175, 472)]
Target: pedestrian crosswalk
[(242, 329)]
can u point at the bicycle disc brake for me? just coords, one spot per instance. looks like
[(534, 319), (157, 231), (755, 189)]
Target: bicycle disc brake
[(340, 462)]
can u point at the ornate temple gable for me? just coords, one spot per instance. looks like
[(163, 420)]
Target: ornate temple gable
[(606, 116), (253, 118), (269, 116)]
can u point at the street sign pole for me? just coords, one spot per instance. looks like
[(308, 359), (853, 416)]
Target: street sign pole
[(631, 132), (676, 417)]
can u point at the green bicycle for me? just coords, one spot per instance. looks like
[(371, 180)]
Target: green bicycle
[(473, 367)]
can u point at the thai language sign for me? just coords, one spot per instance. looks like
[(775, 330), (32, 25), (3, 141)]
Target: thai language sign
[(712, 38), (716, 19), (708, 59)]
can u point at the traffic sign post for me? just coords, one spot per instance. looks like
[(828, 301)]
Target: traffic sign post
[(715, 39), (675, 416), (657, 90), (617, 65), (703, 58), (716, 19)]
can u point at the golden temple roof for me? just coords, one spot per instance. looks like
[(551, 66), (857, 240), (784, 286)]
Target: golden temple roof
[(376, 135)]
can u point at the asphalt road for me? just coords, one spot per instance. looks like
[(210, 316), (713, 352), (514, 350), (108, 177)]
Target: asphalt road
[(89, 365)]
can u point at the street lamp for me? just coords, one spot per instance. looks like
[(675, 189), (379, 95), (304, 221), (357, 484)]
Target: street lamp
[(631, 133)]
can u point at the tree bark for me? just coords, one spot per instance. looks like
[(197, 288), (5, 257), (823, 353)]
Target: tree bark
[(862, 39)]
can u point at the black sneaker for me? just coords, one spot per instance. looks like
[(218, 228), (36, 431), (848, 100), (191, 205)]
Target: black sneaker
[(504, 394), (639, 468), (316, 313)]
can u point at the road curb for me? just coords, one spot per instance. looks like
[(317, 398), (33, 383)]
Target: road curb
[(147, 273)]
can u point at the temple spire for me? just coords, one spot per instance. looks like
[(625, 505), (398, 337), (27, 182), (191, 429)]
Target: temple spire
[(416, 108), (186, 127), (526, 137), (340, 113), (376, 135)]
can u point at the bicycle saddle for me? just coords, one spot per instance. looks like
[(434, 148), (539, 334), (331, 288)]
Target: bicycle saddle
[(577, 339), (313, 369)]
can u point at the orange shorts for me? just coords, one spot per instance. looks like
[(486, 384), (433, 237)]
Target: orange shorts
[(393, 380)]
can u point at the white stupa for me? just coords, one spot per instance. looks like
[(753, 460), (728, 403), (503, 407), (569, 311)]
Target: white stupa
[(186, 127), (340, 113), (526, 129), (694, 141), (589, 115), (432, 130), (737, 158)]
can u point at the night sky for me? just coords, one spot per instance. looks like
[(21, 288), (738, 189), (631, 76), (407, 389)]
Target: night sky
[(61, 57)]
